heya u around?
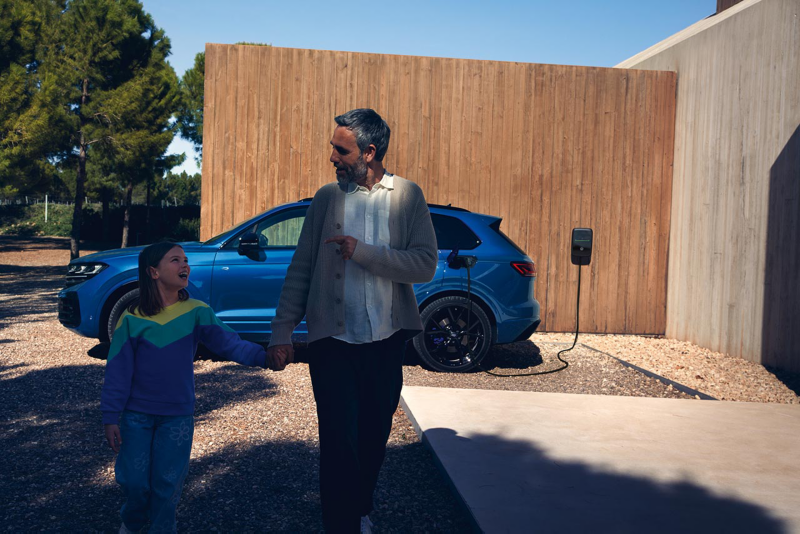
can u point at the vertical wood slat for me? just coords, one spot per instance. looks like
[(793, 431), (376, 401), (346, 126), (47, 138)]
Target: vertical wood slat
[(229, 135), (547, 261), (588, 178), (242, 122), (211, 88), (545, 147)]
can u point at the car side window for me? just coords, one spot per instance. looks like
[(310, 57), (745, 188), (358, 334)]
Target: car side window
[(281, 230), (452, 233)]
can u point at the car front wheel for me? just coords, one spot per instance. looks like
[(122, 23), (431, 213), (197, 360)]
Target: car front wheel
[(456, 335), (116, 311)]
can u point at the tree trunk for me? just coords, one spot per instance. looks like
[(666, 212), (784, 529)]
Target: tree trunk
[(106, 222), (126, 220), (77, 212), (147, 215)]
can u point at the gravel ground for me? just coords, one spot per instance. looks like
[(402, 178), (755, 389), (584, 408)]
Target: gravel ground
[(255, 450)]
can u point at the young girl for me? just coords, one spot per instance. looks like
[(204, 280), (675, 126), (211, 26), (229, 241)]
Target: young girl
[(148, 393)]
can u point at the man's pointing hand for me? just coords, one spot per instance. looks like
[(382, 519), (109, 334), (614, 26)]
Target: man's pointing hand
[(347, 245)]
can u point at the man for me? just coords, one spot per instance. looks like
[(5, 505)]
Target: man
[(364, 242)]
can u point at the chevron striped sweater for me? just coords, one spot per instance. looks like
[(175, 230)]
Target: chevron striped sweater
[(150, 365)]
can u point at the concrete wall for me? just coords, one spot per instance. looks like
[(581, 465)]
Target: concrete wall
[(734, 260)]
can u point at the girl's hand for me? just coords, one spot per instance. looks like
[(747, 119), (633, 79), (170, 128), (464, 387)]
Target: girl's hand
[(113, 437), (278, 356)]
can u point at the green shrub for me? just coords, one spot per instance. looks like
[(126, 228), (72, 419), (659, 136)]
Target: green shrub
[(59, 219), (181, 223), (28, 220), (186, 230)]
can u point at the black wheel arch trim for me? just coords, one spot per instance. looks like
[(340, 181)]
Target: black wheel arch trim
[(109, 304)]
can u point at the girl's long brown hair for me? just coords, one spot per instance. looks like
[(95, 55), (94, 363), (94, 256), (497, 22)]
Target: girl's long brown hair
[(149, 301)]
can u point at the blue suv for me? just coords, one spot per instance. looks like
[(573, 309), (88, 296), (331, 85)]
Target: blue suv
[(482, 292)]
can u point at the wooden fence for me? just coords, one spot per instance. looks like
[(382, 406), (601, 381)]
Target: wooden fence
[(546, 147)]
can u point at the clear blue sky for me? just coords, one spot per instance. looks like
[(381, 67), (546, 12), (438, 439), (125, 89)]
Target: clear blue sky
[(578, 32)]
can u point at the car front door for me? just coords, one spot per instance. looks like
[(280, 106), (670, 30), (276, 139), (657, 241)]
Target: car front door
[(245, 288)]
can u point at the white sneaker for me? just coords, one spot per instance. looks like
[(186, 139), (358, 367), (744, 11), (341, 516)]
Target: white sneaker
[(366, 525)]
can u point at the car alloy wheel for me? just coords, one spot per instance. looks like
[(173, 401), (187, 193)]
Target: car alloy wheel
[(453, 339)]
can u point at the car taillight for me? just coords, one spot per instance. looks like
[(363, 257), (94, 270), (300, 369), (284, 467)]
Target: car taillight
[(525, 268)]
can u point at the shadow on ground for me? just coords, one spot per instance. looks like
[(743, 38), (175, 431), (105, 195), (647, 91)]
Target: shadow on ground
[(519, 355), (790, 380), (51, 428), (18, 284), (561, 496), (57, 468), (13, 243), (19, 243)]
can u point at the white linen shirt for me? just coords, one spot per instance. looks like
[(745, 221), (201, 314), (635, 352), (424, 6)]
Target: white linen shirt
[(367, 296)]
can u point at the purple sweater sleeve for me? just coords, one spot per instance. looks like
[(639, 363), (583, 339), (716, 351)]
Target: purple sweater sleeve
[(222, 340), (118, 375)]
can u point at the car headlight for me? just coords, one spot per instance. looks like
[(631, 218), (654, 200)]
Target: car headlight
[(80, 272)]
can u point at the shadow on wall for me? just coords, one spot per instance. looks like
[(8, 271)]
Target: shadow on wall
[(572, 497), (780, 332)]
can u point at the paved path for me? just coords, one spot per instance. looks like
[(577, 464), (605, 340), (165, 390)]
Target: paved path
[(561, 463)]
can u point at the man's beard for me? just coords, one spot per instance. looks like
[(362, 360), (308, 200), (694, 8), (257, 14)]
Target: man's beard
[(353, 173)]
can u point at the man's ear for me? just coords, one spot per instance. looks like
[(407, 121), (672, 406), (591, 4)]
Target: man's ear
[(369, 153)]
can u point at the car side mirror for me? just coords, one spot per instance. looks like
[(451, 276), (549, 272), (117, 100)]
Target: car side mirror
[(248, 244)]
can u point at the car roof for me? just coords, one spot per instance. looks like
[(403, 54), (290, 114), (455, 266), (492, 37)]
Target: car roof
[(430, 205)]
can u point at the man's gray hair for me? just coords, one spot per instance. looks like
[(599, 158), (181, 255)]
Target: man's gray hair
[(369, 129)]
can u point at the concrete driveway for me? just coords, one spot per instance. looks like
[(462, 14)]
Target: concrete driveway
[(563, 463)]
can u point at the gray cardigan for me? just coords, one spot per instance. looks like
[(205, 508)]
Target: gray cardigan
[(314, 285)]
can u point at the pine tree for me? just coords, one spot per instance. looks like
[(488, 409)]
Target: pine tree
[(140, 129), (190, 115), (108, 51), (28, 131)]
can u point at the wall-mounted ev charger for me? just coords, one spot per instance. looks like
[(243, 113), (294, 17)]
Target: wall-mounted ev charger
[(581, 246)]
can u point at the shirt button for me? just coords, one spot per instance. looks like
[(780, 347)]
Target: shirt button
[(338, 226), (338, 300), (338, 276), (340, 323), (338, 251)]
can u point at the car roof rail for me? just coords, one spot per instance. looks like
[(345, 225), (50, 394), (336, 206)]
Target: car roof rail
[(448, 207), (440, 206)]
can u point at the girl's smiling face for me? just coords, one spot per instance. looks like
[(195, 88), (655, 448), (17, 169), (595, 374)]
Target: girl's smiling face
[(172, 272)]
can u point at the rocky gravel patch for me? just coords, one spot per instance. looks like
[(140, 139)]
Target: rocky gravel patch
[(255, 453)]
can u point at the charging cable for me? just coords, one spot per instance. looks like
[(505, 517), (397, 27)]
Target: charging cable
[(566, 364)]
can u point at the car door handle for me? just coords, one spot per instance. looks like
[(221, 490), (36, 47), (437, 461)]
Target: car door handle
[(225, 268)]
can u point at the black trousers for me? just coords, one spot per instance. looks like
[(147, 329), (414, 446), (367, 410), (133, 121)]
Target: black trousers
[(357, 389)]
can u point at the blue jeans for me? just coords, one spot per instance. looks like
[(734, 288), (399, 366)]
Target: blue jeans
[(151, 467)]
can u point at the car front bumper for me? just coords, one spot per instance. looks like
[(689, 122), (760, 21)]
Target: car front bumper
[(69, 309)]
